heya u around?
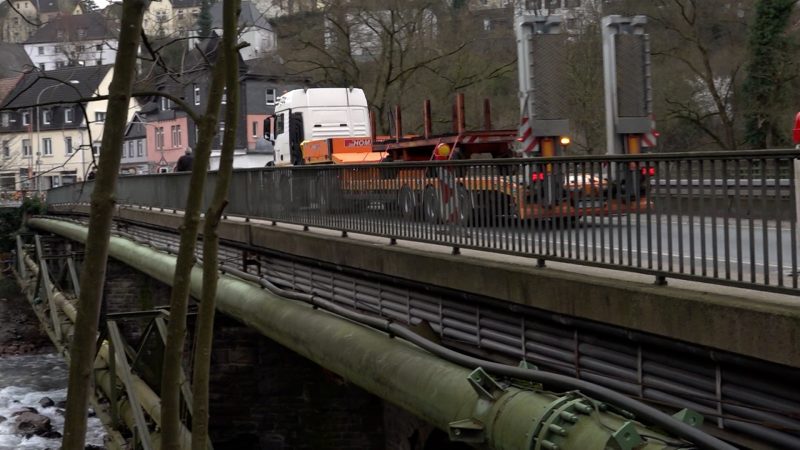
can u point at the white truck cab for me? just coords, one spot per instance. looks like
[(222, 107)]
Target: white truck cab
[(315, 114)]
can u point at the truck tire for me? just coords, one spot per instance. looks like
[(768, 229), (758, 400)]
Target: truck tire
[(328, 195), (465, 205), (407, 203), (431, 207)]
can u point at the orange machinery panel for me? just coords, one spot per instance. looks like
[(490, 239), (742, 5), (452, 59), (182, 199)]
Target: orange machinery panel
[(349, 150)]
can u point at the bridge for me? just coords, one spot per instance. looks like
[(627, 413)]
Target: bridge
[(665, 281)]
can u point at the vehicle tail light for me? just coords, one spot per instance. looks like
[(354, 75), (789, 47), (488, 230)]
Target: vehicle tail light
[(649, 171), (537, 176)]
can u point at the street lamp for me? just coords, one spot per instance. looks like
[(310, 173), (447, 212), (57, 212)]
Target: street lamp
[(39, 138)]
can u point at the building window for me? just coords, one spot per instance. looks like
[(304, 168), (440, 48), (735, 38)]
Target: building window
[(130, 149), (96, 148), (68, 145), (47, 146), (271, 95), (59, 64), (255, 129), (221, 128), (46, 116), (196, 94), (224, 95), (42, 67), (26, 118), (139, 148), (100, 116), (99, 47), (176, 135), (166, 104), (41, 50), (68, 115), (6, 150), (160, 137), (81, 32), (26, 147), (58, 49), (5, 119)]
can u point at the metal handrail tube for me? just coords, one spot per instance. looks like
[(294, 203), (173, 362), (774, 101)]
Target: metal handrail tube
[(721, 217)]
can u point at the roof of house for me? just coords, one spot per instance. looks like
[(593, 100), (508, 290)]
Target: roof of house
[(51, 6), (135, 129), (7, 85), (186, 3), (71, 84), (14, 59), (250, 16), (81, 27)]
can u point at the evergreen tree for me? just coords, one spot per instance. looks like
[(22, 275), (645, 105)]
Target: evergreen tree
[(204, 22), (769, 68)]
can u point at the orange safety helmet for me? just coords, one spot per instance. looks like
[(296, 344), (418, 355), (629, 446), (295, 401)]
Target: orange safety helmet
[(441, 152)]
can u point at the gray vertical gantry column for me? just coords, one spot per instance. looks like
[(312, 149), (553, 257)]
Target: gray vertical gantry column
[(628, 90), (544, 109), (542, 60)]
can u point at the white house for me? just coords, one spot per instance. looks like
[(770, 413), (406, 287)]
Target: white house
[(74, 40), (45, 137)]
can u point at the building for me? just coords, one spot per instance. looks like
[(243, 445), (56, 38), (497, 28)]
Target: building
[(43, 127), (254, 28), (19, 19), (185, 13), (159, 19), (170, 131), (15, 60), (73, 40), (135, 159)]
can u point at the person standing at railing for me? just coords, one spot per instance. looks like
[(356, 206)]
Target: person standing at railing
[(185, 162)]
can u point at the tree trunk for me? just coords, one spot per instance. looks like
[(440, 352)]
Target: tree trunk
[(82, 348), (179, 298), (205, 318)]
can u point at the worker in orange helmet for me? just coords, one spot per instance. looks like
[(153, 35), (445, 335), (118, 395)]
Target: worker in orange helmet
[(441, 152)]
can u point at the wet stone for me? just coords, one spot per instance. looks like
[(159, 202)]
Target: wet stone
[(46, 402), (31, 423)]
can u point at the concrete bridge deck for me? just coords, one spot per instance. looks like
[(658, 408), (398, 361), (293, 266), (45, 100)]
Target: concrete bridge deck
[(751, 323)]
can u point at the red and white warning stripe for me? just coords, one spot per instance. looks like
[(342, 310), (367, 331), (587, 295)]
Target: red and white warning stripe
[(650, 139), (530, 143)]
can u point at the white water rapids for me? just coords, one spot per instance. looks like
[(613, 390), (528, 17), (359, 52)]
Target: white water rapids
[(24, 381)]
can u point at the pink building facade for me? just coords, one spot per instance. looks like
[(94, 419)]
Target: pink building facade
[(168, 139)]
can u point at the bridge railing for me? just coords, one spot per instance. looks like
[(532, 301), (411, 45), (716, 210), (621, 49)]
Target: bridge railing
[(728, 218)]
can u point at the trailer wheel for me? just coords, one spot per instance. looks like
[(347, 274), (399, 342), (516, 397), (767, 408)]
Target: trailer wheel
[(329, 195), (407, 203), (430, 205), (465, 205)]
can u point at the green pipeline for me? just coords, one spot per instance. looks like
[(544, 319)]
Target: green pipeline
[(464, 402)]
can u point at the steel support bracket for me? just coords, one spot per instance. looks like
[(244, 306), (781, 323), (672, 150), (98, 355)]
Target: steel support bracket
[(485, 385), (689, 417), (626, 437), (467, 430)]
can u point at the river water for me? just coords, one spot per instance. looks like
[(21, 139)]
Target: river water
[(24, 380)]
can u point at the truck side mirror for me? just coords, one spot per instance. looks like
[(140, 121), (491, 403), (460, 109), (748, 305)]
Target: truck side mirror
[(268, 127)]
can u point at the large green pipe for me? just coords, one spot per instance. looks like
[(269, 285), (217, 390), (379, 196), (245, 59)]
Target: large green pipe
[(148, 399), (434, 390)]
